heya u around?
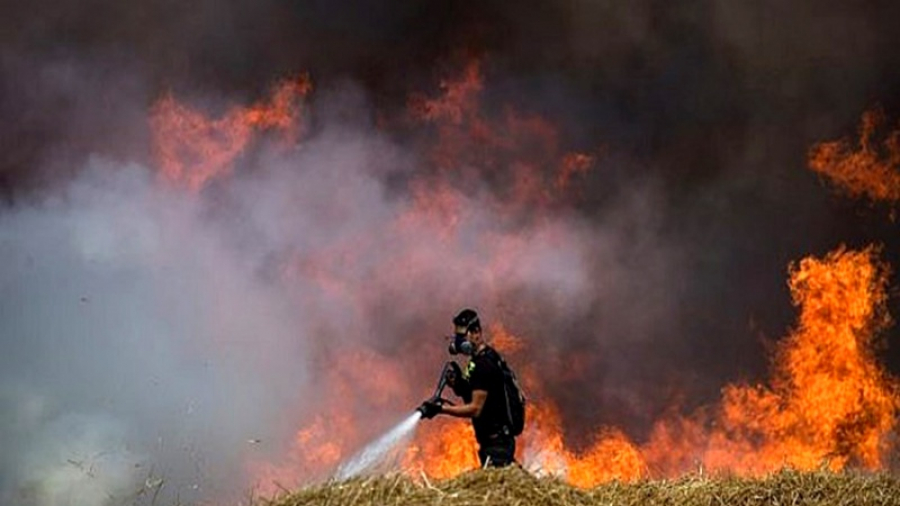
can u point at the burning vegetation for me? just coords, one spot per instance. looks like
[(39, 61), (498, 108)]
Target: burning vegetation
[(827, 405), (511, 486)]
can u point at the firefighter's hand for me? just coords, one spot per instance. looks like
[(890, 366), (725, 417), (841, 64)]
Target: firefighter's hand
[(430, 408)]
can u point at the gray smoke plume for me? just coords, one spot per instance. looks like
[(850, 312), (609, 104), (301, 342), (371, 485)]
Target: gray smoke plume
[(138, 342)]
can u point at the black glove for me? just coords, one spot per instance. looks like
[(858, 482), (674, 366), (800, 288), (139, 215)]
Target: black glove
[(430, 408)]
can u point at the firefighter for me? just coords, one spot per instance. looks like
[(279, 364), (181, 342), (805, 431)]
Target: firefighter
[(481, 387)]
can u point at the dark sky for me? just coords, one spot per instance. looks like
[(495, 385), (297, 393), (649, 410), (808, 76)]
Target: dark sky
[(696, 80), (709, 106)]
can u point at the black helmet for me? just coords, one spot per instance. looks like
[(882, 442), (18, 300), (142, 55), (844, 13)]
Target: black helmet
[(467, 318)]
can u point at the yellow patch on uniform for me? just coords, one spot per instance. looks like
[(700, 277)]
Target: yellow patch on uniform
[(469, 368)]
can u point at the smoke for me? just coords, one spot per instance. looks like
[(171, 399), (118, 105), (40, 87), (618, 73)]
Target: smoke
[(78, 459), (178, 336), (119, 304), (158, 340)]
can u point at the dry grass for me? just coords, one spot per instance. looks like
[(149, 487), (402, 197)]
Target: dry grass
[(516, 487)]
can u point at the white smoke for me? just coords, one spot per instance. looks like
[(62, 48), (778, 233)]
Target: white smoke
[(79, 460), (180, 336), (120, 302)]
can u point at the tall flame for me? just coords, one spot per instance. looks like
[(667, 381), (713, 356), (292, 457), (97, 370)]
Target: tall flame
[(829, 402)]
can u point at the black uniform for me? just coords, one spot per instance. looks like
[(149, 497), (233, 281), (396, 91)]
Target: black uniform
[(496, 446)]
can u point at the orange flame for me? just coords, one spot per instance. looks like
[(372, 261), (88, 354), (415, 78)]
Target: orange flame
[(193, 149), (442, 449), (516, 151), (829, 402), (865, 169)]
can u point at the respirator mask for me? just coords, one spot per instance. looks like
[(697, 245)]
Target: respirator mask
[(461, 345)]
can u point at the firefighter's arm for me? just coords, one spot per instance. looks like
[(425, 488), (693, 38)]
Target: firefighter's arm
[(470, 409), (459, 385)]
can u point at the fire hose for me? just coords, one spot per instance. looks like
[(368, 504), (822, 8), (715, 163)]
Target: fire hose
[(431, 407)]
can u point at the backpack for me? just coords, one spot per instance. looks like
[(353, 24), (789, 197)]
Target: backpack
[(515, 398)]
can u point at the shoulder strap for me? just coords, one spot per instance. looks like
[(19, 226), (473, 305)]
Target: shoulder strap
[(494, 355)]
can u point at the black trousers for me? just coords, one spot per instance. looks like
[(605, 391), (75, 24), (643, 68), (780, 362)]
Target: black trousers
[(498, 450)]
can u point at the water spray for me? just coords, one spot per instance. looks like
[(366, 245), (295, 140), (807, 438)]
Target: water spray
[(376, 454), (379, 453)]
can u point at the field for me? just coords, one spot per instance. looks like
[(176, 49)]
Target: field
[(516, 487)]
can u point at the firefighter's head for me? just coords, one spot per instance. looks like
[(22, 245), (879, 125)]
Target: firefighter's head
[(467, 333)]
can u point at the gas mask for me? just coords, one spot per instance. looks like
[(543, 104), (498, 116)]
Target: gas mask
[(461, 345)]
